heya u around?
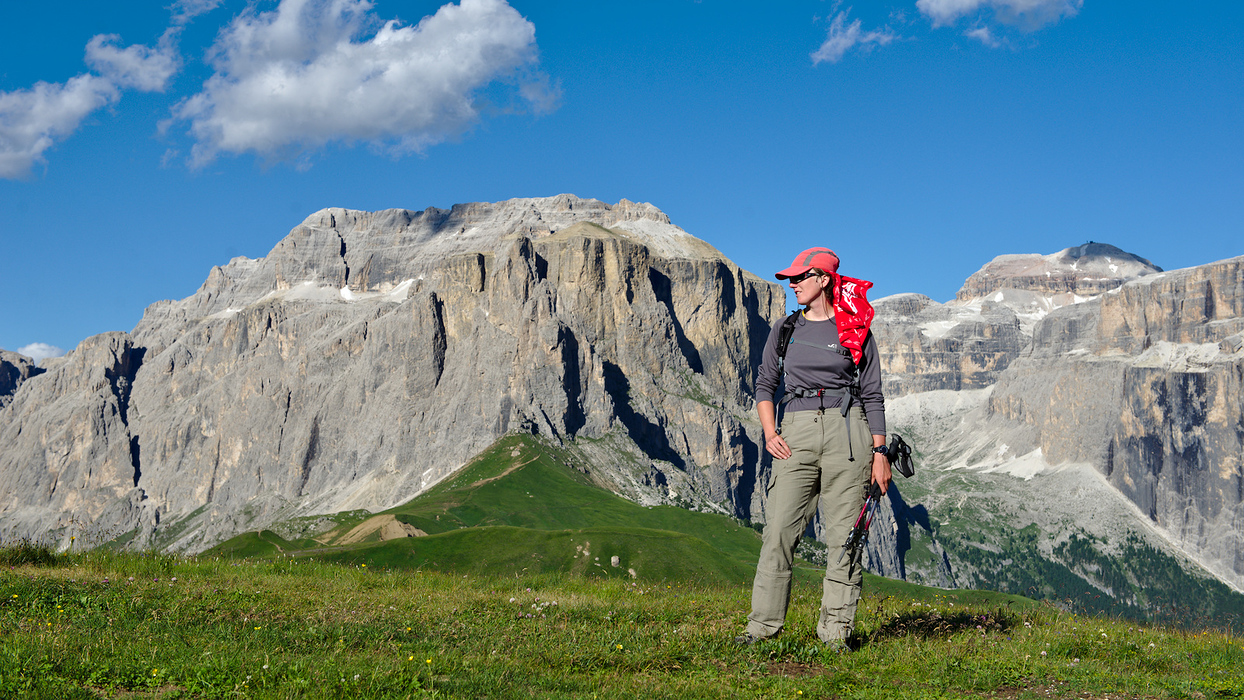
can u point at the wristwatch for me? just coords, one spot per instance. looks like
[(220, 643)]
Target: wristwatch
[(881, 449)]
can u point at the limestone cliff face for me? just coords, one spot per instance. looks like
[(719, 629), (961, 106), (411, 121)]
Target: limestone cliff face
[(1084, 374), (925, 346), (68, 451), (1145, 383), (371, 354)]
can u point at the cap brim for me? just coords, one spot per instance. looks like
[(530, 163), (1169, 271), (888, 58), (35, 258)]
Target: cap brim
[(793, 271)]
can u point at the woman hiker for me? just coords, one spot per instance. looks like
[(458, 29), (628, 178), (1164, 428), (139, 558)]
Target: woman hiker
[(830, 446)]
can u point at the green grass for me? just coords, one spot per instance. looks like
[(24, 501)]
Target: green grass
[(544, 492), (659, 554), (264, 543), (104, 624)]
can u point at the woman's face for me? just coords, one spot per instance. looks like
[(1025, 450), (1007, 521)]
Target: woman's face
[(808, 287)]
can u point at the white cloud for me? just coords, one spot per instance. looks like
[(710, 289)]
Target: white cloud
[(301, 76), (32, 120), (842, 37), (137, 66), (984, 36), (186, 10), (1030, 14), (40, 351)]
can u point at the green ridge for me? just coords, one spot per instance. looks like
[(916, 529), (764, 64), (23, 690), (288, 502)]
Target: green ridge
[(521, 505)]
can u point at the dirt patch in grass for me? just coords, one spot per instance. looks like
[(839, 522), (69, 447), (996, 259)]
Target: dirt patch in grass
[(389, 527), (509, 470)]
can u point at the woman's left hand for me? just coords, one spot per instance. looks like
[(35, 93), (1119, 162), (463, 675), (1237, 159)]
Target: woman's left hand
[(881, 471)]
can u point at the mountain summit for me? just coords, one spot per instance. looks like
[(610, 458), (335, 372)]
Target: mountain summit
[(370, 354), (1085, 270)]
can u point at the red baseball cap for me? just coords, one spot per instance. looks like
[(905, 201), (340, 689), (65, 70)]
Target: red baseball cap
[(822, 258)]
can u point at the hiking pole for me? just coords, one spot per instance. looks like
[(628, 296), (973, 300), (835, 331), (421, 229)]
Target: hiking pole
[(858, 536), (899, 455)]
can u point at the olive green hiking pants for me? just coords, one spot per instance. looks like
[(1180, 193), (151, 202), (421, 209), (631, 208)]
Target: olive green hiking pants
[(817, 472)]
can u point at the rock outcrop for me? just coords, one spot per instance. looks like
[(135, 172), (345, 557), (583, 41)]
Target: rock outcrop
[(14, 369), (371, 354), (1085, 271), (926, 346), (69, 456)]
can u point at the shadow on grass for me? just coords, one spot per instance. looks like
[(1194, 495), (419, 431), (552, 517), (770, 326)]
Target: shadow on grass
[(933, 623), (27, 553)]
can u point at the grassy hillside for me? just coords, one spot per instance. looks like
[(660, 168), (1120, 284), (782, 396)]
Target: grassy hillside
[(520, 507), (523, 481), (130, 626)]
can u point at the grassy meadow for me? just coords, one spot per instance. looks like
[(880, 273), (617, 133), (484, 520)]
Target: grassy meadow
[(527, 580), (124, 625)]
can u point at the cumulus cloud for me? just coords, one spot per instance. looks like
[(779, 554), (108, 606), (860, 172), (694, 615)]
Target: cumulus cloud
[(40, 351), (1030, 14), (139, 67), (842, 37), (32, 120), (305, 74)]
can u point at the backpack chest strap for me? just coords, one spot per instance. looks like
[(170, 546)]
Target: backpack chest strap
[(832, 347)]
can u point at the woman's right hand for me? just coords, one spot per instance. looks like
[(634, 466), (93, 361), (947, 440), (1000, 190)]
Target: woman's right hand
[(774, 443), (777, 446)]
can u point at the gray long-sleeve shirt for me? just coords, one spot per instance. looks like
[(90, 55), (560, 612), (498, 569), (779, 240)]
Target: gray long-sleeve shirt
[(810, 367)]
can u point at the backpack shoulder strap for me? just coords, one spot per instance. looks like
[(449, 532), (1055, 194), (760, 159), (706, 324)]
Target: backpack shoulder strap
[(783, 340)]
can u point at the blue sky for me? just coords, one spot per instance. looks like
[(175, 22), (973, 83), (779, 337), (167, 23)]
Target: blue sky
[(141, 143)]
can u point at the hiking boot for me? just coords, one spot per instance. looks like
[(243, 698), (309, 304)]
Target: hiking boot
[(838, 646)]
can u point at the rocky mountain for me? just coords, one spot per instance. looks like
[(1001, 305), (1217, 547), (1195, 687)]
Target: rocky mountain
[(968, 341), (1109, 421), (1083, 271), (368, 355)]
